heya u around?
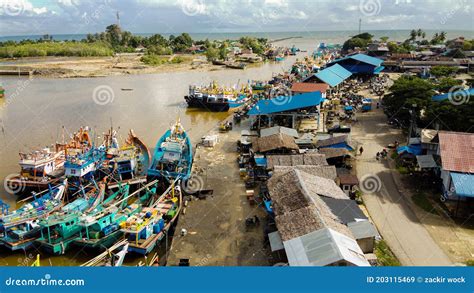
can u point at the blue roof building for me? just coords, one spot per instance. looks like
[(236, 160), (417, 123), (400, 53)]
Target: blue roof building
[(461, 94), (286, 103), (333, 76), (360, 64)]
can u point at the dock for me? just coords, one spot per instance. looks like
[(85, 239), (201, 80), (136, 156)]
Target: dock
[(216, 234)]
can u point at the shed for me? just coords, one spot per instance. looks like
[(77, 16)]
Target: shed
[(333, 75), (274, 142), (360, 64), (426, 162), (284, 103), (278, 129), (324, 247), (365, 233), (348, 182)]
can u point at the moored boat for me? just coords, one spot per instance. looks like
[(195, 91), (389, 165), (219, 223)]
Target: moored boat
[(145, 229), (173, 155), (20, 228)]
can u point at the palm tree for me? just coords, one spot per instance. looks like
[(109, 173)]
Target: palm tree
[(419, 32), (442, 36), (423, 35), (413, 34)]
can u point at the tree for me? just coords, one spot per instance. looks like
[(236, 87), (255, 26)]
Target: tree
[(413, 35), (404, 93), (443, 71), (212, 53), (113, 34), (384, 39), (447, 83)]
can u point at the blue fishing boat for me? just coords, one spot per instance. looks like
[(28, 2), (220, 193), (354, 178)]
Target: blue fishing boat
[(173, 155), (19, 229)]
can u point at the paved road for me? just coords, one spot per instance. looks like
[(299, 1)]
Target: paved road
[(397, 223)]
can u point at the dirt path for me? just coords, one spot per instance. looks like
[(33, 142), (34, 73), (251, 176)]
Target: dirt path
[(216, 232), (388, 206)]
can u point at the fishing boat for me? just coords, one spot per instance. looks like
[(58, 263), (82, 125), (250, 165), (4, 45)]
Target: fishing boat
[(145, 229), (128, 163), (19, 229), (215, 98), (102, 229), (2, 92), (111, 257), (173, 155), (236, 65), (82, 165), (42, 168), (60, 229)]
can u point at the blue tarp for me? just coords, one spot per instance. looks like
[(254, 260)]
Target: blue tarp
[(268, 207), (455, 95), (379, 69), (282, 104), (333, 75), (414, 149), (342, 145), (261, 162), (463, 184), (348, 108)]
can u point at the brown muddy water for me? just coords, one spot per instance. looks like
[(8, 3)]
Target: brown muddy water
[(35, 110)]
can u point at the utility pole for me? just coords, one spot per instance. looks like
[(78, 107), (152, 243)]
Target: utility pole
[(360, 25), (118, 19)]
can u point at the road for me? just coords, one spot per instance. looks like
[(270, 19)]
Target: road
[(389, 209)]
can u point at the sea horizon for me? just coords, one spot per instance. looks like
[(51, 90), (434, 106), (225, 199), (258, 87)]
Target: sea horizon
[(396, 35)]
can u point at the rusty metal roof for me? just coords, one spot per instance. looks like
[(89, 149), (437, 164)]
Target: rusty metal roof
[(457, 151)]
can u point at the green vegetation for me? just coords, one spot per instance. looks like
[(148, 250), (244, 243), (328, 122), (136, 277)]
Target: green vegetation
[(56, 49), (358, 41), (410, 93), (447, 83), (115, 40), (442, 71), (421, 200), (384, 255), (155, 60), (470, 263)]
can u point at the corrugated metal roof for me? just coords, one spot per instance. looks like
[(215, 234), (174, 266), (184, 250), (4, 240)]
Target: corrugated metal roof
[(282, 104), (362, 229), (463, 184), (457, 151), (307, 87), (346, 210), (426, 161), (323, 247), (361, 58), (333, 75), (275, 241), (278, 129), (455, 95)]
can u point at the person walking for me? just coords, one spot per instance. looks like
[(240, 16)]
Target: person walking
[(361, 150)]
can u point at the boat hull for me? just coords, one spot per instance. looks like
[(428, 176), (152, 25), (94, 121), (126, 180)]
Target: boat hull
[(194, 102), (104, 242)]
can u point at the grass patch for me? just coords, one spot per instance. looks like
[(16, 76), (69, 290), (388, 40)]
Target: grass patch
[(384, 255), (403, 170), (421, 200), (470, 263), (156, 60), (77, 49)]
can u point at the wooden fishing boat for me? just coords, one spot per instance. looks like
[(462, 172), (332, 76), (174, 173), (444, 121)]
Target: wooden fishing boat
[(128, 163), (173, 155), (218, 62), (60, 229), (20, 228), (235, 65), (111, 257), (102, 229), (42, 168), (147, 228)]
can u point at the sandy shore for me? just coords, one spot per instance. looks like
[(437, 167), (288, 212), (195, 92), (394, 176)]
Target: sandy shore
[(69, 67)]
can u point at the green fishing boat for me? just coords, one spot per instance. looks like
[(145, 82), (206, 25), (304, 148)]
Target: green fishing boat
[(101, 230)]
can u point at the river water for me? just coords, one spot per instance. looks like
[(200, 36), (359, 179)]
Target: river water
[(35, 110)]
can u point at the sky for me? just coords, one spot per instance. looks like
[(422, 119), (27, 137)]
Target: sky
[(38, 17)]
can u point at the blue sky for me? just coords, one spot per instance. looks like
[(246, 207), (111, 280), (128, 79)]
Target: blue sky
[(27, 17)]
